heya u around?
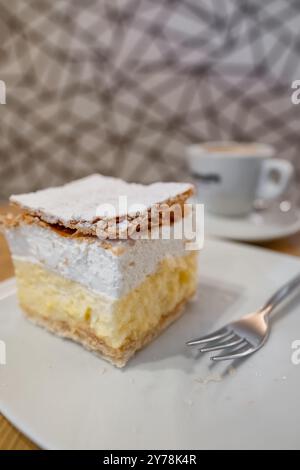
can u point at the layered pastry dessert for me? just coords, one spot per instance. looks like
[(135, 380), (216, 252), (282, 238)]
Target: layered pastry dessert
[(108, 291)]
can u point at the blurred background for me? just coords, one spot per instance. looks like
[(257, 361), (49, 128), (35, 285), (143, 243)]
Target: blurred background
[(121, 87)]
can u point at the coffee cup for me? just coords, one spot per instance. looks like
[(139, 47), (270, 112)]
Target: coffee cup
[(231, 176)]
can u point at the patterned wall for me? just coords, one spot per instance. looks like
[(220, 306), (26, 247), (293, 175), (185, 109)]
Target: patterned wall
[(122, 86)]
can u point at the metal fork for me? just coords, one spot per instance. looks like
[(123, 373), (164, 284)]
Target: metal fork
[(247, 335)]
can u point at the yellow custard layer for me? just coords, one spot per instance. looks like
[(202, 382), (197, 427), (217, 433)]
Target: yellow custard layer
[(115, 321)]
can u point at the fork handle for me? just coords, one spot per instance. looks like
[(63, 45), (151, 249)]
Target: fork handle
[(280, 295)]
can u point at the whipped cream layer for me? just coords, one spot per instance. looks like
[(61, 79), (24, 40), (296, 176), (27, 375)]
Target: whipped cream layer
[(110, 272)]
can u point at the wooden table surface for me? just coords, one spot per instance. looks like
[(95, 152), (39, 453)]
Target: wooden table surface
[(11, 438)]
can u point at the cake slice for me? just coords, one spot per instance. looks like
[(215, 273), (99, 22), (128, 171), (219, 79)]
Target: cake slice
[(112, 296)]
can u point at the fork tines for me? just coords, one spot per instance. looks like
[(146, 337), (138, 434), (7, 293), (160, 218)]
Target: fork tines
[(222, 340)]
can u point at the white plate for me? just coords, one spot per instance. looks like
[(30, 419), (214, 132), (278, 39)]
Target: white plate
[(257, 227), (62, 396)]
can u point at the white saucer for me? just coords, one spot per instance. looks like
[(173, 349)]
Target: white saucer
[(267, 225)]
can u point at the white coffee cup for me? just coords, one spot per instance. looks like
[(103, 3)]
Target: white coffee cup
[(230, 175)]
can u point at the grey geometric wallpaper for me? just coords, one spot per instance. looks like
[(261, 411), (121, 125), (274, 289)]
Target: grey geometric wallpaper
[(122, 86)]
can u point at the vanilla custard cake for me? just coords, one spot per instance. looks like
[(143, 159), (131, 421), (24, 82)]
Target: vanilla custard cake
[(112, 294)]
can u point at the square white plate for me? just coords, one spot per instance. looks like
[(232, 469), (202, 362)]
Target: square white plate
[(62, 396)]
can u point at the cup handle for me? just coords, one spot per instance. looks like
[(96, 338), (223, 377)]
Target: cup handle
[(275, 177)]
